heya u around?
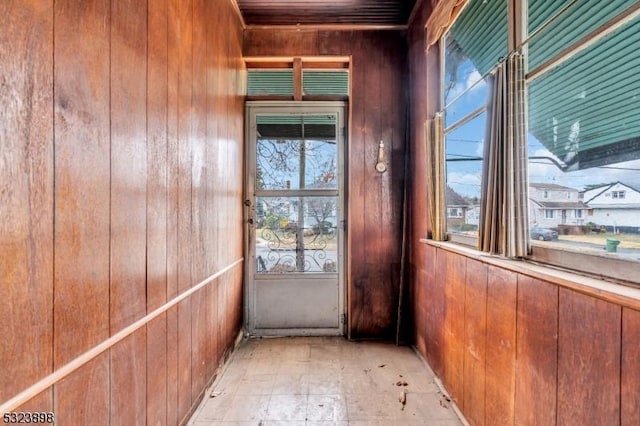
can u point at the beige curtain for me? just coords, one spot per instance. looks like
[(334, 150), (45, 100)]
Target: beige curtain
[(434, 135), (504, 201), (443, 15)]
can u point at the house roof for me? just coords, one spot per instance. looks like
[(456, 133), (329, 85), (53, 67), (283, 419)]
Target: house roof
[(569, 205), (605, 187), (455, 199), (551, 186)]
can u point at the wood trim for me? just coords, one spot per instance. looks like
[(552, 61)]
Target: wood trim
[(464, 120), (620, 294), (330, 27), (313, 62), (323, 98), (297, 79), (268, 98), (96, 351), (269, 65), (414, 12), (236, 9), (325, 65)]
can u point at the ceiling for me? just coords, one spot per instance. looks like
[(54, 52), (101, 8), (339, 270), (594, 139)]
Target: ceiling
[(383, 13)]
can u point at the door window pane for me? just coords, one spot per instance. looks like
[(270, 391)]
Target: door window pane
[(296, 234), (296, 152)]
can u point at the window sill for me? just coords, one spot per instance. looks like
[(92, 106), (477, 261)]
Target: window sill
[(601, 288)]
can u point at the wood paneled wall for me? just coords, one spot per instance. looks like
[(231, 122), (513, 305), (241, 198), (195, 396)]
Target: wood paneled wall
[(378, 112), (121, 182), (514, 349), (511, 348)]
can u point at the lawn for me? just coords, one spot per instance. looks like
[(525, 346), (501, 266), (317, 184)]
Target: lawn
[(630, 241), (287, 240)]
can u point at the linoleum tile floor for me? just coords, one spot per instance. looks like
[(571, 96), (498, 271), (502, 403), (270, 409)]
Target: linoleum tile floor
[(324, 381)]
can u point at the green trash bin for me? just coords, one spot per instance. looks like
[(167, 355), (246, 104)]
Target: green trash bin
[(612, 245)]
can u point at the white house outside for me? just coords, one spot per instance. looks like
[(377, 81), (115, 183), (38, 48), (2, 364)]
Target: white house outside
[(616, 206), (551, 205)]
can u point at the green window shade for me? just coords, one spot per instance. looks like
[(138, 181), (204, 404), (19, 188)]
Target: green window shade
[(579, 20), (480, 33), (325, 83), (587, 110), (270, 82), (320, 127)]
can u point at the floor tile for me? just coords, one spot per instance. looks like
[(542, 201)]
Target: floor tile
[(323, 381), (330, 408), (287, 408)]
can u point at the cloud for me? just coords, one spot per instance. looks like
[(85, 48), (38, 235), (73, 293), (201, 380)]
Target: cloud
[(472, 83), (467, 184), (473, 78), (545, 172)]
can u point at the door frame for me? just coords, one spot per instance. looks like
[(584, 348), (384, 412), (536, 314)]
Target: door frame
[(294, 107)]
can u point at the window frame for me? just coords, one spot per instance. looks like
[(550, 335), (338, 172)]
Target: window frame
[(576, 260)]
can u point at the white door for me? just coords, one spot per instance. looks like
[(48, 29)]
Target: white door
[(295, 211)]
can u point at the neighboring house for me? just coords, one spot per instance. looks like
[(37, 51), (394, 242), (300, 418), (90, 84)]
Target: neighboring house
[(285, 209), (472, 216), (551, 205), (615, 205), (457, 207)]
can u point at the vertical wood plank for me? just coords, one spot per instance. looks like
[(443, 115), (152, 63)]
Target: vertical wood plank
[(82, 187), (157, 381), (215, 44), (237, 277), (454, 324), (392, 132), (199, 178), (436, 293), (630, 368), (475, 324), (185, 251), (83, 397), (82, 176), (502, 293), (26, 198), (128, 299), (536, 352), (157, 204), (421, 306), (157, 146), (173, 73), (588, 379), (128, 384), (297, 79), (370, 232), (172, 366), (222, 321), (356, 190)]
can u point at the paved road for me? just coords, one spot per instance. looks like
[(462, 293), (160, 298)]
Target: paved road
[(626, 253)]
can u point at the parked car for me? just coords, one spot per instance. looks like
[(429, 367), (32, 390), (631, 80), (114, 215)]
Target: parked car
[(543, 234)]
